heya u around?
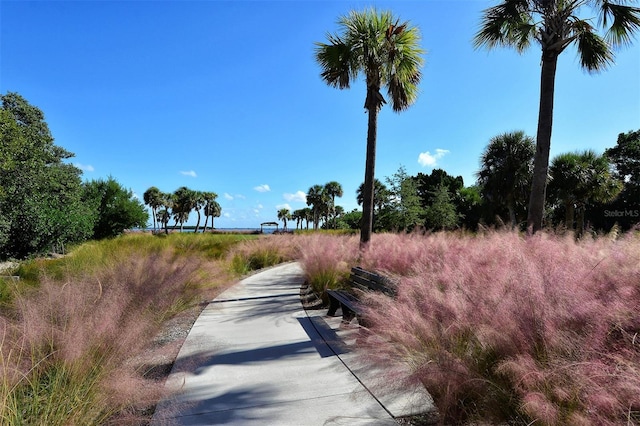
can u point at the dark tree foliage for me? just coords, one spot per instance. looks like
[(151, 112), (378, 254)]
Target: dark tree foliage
[(625, 210), (117, 208), (40, 194)]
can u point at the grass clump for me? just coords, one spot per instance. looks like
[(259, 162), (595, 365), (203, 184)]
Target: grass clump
[(71, 326)]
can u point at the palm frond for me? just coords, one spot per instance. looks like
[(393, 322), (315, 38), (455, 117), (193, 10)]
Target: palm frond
[(335, 61), (625, 22), (509, 23), (593, 51)]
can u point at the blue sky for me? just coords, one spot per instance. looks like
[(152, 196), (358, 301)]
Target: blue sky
[(225, 96)]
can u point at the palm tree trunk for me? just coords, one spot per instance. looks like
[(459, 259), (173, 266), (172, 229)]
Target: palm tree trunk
[(369, 174), (543, 142), (197, 223), (206, 219), (569, 214)]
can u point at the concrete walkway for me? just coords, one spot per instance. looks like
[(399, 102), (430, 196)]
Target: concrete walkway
[(256, 357)]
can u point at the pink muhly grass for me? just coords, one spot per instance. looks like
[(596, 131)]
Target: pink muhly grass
[(501, 325), (327, 260), (84, 332)]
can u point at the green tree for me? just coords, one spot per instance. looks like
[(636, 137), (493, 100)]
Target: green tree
[(555, 25), (333, 189), (117, 208), (184, 200), (211, 208), (387, 52), (317, 199), (441, 214), (284, 215), (428, 184), (579, 180), (153, 198), (40, 195), (381, 202), (198, 202), (625, 157), (506, 168), (407, 210)]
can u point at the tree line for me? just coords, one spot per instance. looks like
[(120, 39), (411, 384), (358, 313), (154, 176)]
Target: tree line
[(586, 190), (44, 204), (179, 204)]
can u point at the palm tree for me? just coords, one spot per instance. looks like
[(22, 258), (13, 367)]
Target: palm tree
[(211, 208), (506, 169), (387, 53), (183, 202), (166, 201), (197, 202), (579, 179), (284, 215), (298, 216), (555, 25), (152, 197), (333, 189), (316, 197)]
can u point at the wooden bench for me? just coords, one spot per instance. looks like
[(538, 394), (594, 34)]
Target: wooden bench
[(361, 281)]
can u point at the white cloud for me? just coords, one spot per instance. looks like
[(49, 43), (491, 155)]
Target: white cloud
[(228, 196), (189, 173), (240, 196), (262, 188), (83, 167), (227, 215), (260, 206), (299, 197), (426, 159), (283, 206)]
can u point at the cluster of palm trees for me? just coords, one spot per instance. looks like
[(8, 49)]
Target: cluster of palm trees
[(322, 210), (386, 52), (179, 204), (576, 180)]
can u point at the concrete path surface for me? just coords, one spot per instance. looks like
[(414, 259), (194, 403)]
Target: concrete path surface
[(256, 357)]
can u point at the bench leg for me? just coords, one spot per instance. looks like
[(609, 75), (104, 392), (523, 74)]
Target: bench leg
[(333, 307), (347, 314)]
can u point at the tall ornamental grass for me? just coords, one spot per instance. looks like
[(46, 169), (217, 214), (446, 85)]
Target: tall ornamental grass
[(503, 328), (262, 252), (73, 326)]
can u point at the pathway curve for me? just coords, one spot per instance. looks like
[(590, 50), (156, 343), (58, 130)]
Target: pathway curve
[(256, 357)]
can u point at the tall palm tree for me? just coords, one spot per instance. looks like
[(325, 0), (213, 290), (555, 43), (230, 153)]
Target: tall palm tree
[(284, 215), (211, 208), (316, 197), (555, 25), (183, 203), (579, 179), (387, 52), (197, 202), (333, 189), (153, 198), (166, 201), (506, 169)]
